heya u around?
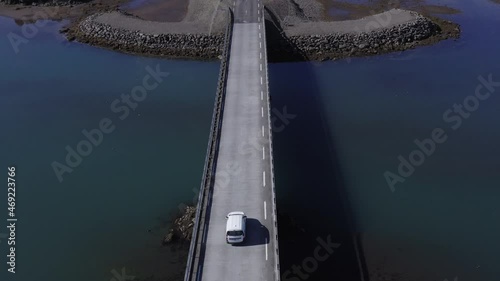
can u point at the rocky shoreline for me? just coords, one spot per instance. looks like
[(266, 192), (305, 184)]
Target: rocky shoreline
[(182, 227), (336, 45), (342, 45), (281, 46), (191, 46), (300, 35)]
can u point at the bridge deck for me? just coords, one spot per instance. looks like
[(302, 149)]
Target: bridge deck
[(243, 178)]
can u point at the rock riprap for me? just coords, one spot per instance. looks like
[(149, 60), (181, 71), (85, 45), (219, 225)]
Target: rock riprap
[(365, 43), (182, 228), (195, 46)]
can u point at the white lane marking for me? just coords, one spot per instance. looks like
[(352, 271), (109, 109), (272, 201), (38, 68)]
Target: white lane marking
[(258, 5), (262, 111), (258, 12), (261, 80), (260, 35), (261, 95), (262, 130), (265, 211), (261, 67), (264, 178), (234, 3), (266, 250), (263, 153), (259, 26), (260, 45), (260, 55)]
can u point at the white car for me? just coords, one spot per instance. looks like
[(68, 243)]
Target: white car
[(235, 227)]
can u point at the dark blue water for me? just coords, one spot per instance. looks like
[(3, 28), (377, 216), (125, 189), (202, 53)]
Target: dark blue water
[(98, 218), (353, 118)]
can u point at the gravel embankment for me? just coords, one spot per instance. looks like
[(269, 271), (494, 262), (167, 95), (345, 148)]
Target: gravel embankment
[(385, 20), (356, 43), (120, 20), (199, 36), (299, 33), (211, 13), (291, 12), (394, 30), (148, 38)]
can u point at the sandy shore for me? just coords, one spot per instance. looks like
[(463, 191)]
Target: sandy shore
[(343, 10), (161, 11), (120, 20), (370, 23)]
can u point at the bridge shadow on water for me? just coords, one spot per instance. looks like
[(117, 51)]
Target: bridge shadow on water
[(256, 234), (317, 237)]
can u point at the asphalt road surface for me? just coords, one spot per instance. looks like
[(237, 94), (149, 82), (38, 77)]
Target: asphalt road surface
[(243, 179)]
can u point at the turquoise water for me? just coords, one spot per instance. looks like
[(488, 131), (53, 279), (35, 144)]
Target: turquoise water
[(351, 120), (98, 218)]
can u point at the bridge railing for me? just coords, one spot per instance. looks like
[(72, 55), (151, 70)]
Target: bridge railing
[(198, 240), (275, 211)]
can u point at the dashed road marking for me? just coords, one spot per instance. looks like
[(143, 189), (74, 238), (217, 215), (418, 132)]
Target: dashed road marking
[(262, 111), (266, 250), (264, 178), (265, 211), (260, 45), (261, 80), (263, 153), (260, 55), (261, 95), (262, 130), (260, 35), (261, 67)]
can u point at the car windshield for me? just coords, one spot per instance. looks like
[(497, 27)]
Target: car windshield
[(235, 233)]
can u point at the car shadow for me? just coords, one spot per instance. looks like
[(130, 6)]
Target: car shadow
[(256, 234)]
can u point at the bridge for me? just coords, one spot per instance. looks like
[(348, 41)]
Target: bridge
[(238, 173)]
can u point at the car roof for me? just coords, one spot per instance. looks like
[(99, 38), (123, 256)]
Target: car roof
[(234, 222)]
